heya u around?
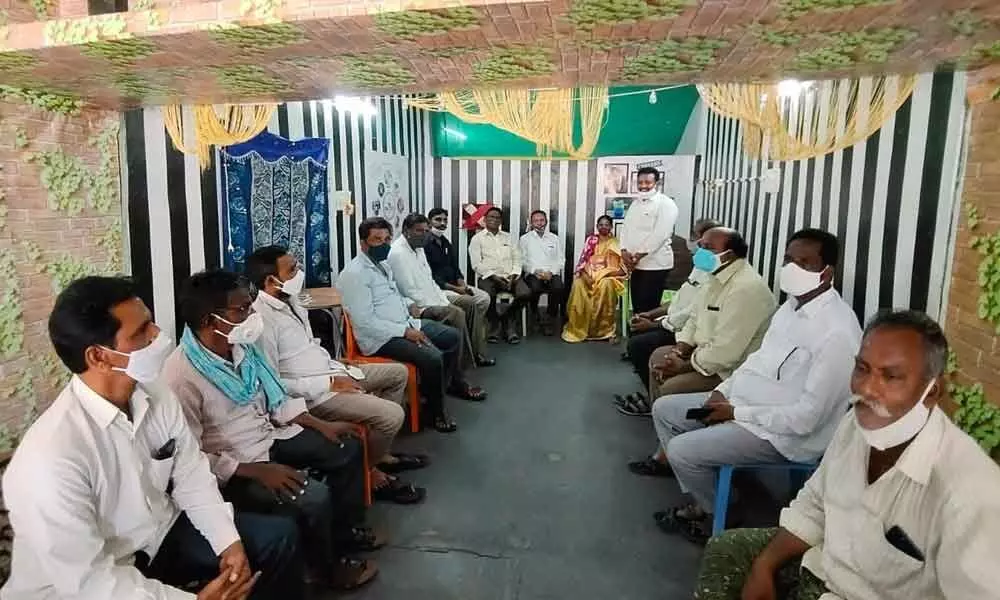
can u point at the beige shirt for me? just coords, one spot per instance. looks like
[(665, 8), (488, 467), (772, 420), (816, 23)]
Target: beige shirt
[(729, 319), (230, 434), (944, 493), (494, 254)]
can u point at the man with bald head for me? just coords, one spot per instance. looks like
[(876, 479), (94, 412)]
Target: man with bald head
[(904, 504)]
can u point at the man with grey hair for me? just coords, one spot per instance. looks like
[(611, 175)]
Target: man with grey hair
[(904, 504)]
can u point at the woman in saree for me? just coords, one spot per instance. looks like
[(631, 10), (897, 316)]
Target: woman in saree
[(599, 279)]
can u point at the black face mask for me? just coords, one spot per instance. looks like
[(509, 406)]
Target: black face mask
[(417, 241)]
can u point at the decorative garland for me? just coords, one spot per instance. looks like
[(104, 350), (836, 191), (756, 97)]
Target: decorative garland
[(784, 39), (965, 23), (120, 53), (974, 414), (103, 183), (842, 49), (674, 56), (65, 269), (11, 325), (796, 8), (41, 8), (375, 71), (16, 61), (265, 10), (20, 137), (259, 38), (63, 176), (588, 14), (51, 101), (513, 63), (88, 29), (410, 24), (249, 81)]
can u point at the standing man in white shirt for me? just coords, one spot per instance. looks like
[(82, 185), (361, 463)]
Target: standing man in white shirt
[(645, 241), (416, 281), (782, 404), (108, 492), (496, 259), (371, 395), (544, 262), (904, 505)]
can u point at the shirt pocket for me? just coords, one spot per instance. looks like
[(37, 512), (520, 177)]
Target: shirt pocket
[(884, 565), (791, 362), (160, 472)]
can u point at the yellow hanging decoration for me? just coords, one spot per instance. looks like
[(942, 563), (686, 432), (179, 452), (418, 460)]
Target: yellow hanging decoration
[(545, 117), (221, 125), (811, 118)]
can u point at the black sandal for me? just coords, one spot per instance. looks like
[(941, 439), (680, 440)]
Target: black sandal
[(482, 361), (397, 492), (352, 573), (678, 520), (493, 339), (443, 424), (635, 406), (513, 339), (650, 467), (467, 392), (405, 462), (363, 539)]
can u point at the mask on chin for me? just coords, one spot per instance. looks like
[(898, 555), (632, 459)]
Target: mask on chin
[(437, 232), (902, 429), (647, 194)]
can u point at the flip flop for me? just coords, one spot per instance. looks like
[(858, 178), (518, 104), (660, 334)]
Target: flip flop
[(397, 492), (405, 462), (637, 407)]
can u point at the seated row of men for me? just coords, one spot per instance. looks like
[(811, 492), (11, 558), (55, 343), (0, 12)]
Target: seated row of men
[(903, 504)]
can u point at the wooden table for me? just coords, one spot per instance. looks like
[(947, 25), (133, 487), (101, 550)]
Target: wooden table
[(327, 299)]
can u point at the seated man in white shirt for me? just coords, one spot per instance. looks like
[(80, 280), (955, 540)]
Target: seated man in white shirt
[(904, 505), (782, 404), (108, 492), (268, 453), (544, 261), (496, 260), (416, 282), (330, 390)]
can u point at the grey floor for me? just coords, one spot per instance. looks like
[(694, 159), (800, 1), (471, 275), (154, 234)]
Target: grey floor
[(531, 499)]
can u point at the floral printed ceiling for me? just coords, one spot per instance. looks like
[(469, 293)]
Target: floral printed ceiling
[(193, 51)]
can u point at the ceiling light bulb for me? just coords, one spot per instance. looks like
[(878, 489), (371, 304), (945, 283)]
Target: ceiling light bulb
[(652, 97)]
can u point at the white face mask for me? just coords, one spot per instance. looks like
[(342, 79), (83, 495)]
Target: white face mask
[(647, 194), (796, 281), (437, 232), (144, 365), (246, 332), (902, 429), (293, 286)]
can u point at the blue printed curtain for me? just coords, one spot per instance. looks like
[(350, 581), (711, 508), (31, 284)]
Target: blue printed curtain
[(275, 193)]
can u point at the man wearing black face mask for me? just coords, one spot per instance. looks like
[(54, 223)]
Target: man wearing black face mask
[(416, 282)]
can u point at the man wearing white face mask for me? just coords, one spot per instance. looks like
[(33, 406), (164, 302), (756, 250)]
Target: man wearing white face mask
[(904, 505), (267, 451), (369, 394), (781, 404), (645, 241), (108, 490)]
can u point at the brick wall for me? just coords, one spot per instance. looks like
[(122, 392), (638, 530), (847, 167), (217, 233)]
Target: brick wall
[(976, 342), (29, 219)]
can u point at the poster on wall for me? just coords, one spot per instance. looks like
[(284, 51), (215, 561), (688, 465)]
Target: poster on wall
[(676, 180), (387, 186)]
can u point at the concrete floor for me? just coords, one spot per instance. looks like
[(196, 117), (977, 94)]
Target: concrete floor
[(531, 499)]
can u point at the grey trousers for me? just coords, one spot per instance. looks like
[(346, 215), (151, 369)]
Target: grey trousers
[(475, 307), (696, 451)]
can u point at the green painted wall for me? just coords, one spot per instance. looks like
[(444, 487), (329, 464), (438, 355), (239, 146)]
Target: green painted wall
[(633, 126)]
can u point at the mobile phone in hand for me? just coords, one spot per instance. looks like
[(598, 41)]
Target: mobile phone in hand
[(698, 414)]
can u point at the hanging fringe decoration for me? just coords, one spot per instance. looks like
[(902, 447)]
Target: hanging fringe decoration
[(813, 120), (221, 125), (545, 117)]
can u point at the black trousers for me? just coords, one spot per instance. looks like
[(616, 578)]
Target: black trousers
[(522, 296), (646, 289), (270, 543), (438, 365), (332, 501), (553, 287), (641, 347)]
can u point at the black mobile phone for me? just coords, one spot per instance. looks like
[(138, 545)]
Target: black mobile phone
[(902, 542), (697, 414)]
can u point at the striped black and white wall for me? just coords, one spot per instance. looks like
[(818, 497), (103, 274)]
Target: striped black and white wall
[(173, 208), (890, 199)]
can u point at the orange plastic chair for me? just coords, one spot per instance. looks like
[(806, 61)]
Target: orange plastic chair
[(352, 353)]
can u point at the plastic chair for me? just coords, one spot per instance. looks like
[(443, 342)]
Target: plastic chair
[(799, 472), (352, 353)]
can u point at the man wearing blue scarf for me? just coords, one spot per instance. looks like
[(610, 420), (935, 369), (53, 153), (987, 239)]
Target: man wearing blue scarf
[(268, 453)]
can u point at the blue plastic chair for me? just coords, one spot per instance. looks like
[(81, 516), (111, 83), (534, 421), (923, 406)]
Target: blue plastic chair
[(799, 473)]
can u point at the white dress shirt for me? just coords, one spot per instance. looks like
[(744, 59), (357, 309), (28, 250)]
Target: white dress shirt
[(649, 227), (287, 341), (413, 275), (794, 389), (943, 492), (494, 254), (682, 306), (85, 495), (542, 253)]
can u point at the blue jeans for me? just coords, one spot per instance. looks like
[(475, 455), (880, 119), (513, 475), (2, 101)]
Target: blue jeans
[(437, 365), (270, 542)]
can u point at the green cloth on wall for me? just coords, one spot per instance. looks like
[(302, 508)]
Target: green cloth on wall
[(633, 127)]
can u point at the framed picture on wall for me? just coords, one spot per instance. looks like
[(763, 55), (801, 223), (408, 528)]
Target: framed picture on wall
[(634, 185), (616, 206), (615, 178)]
